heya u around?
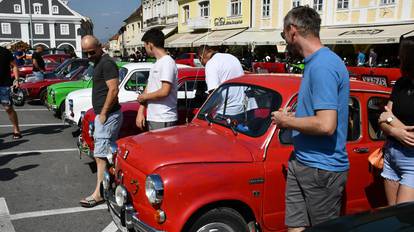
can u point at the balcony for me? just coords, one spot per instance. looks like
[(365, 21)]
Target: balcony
[(199, 23), (156, 21)]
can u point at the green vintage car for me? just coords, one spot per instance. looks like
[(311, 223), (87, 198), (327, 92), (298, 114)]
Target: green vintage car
[(56, 93)]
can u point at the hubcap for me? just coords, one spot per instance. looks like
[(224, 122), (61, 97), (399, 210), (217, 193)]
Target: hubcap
[(216, 227)]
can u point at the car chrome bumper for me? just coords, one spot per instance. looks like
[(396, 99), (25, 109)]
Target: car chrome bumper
[(67, 120), (51, 107), (125, 217)]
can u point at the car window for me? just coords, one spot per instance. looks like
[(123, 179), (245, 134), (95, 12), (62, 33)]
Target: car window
[(192, 94), (87, 74), (137, 81), (375, 108), (242, 108), (354, 123), (122, 74)]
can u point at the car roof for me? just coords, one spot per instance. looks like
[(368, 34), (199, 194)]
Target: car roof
[(147, 65), (191, 72), (289, 83)]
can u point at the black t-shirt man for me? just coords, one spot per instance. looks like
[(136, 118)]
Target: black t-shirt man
[(105, 70), (402, 98), (6, 57), (40, 62)]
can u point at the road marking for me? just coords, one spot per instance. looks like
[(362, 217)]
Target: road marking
[(22, 110), (110, 228), (5, 222), (34, 125), (38, 151), (52, 212)]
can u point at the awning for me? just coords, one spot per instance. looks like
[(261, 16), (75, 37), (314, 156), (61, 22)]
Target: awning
[(250, 37), (183, 39), (384, 34), (217, 38), (167, 31)]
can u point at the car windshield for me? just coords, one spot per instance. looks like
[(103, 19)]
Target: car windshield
[(59, 69), (87, 74), (243, 108), (122, 73), (72, 73)]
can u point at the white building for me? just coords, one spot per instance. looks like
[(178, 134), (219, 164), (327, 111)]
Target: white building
[(162, 14)]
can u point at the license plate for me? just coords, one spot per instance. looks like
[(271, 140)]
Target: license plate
[(376, 80)]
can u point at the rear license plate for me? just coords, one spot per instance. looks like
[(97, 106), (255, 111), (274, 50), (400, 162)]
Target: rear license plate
[(376, 80)]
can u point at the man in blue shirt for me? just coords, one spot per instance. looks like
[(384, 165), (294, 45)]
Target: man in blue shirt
[(319, 165), (361, 58)]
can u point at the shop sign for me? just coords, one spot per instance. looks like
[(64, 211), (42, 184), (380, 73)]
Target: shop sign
[(362, 32), (221, 21)]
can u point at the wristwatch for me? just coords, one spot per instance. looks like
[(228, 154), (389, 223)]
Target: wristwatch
[(389, 119)]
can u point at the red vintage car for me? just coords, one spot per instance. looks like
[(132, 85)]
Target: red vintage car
[(377, 75), (190, 59), (52, 61), (226, 170), (192, 92), (70, 70)]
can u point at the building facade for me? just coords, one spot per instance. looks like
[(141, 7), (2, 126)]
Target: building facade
[(270, 13), (162, 14), (54, 24), (133, 32)]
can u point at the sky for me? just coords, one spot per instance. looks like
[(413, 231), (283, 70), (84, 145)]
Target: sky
[(107, 15)]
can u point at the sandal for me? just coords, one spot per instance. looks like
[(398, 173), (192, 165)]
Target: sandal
[(90, 202), (17, 136)]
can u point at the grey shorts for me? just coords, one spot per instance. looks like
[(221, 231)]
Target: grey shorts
[(105, 135), (398, 163), (312, 195), (159, 125), (5, 95)]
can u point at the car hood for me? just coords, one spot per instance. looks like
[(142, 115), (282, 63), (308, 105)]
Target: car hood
[(80, 93), (182, 145), (44, 82), (68, 85)]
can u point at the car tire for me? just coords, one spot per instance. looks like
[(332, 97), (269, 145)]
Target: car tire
[(43, 96), (220, 219), (59, 112)]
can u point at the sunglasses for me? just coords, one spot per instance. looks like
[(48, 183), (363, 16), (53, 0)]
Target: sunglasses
[(90, 53)]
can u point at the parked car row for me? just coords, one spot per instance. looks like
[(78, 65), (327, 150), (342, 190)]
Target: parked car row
[(218, 170)]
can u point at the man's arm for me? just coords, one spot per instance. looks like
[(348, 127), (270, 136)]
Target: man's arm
[(163, 92), (15, 72), (396, 128), (112, 95), (323, 123)]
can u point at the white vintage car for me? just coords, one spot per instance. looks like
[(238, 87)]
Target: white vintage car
[(133, 78)]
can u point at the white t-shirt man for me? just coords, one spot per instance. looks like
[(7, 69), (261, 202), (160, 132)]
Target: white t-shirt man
[(163, 110), (220, 68)]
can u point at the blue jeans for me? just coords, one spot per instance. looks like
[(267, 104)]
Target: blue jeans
[(105, 135), (5, 95), (398, 163)]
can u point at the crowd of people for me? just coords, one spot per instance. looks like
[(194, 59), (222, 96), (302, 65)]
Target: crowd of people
[(318, 168)]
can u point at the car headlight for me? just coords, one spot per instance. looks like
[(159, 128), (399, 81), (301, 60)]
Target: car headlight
[(154, 189), (106, 180), (53, 95), (121, 195)]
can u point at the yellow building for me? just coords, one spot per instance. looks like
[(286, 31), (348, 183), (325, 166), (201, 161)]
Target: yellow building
[(259, 22), (210, 22)]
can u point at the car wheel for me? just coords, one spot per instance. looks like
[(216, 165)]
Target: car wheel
[(220, 219), (18, 97), (61, 110), (43, 96)]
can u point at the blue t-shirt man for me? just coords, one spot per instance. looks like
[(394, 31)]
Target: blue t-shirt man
[(325, 86), (361, 58), (19, 61)]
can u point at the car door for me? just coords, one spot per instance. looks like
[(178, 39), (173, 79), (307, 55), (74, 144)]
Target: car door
[(191, 95), (133, 85)]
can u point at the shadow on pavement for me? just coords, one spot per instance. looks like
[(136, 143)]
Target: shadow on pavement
[(5, 159), (92, 166), (7, 145), (35, 103), (7, 174), (43, 130)]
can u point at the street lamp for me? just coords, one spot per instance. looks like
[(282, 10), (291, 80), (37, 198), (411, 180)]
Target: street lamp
[(30, 23)]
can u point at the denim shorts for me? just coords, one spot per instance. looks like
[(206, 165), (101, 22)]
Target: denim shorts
[(5, 95), (398, 163), (105, 135)]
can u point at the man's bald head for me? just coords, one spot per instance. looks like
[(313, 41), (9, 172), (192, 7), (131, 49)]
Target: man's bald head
[(90, 42)]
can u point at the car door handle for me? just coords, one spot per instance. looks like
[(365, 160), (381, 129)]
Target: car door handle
[(361, 150)]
